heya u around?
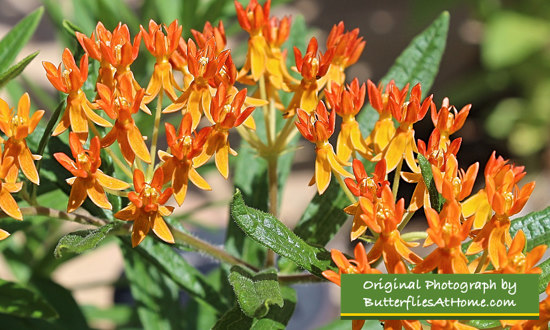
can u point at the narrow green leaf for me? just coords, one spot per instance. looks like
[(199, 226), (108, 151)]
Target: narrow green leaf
[(17, 37), (16, 70), (187, 277), (436, 200), (270, 232), (17, 300), (156, 294), (82, 240), (535, 226), (255, 292), (419, 62), (544, 278), (71, 28)]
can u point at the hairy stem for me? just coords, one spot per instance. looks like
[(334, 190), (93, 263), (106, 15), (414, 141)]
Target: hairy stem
[(53, 213)]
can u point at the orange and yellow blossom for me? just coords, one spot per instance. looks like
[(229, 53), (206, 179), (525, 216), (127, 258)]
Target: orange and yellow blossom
[(365, 186), (317, 127), (17, 127), (540, 324), (348, 47), (506, 199), (120, 105), (276, 32), (384, 128), (88, 178), (347, 102), (161, 46), (204, 65), (313, 67), (402, 146), (8, 204), (448, 120), (225, 115), (448, 233), (252, 19), (515, 262), (400, 268), (79, 110), (146, 208), (359, 265), (383, 216), (453, 183), (178, 164), (115, 52)]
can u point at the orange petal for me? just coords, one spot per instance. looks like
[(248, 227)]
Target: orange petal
[(3, 234), (110, 182), (198, 180), (97, 195), (179, 183), (222, 160), (395, 151), (335, 164), (139, 230), (161, 230), (26, 163), (78, 195), (9, 205), (135, 139), (322, 170), (128, 213)]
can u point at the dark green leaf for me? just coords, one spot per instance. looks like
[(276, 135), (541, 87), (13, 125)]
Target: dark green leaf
[(255, 292), (535, 226), (233, 319), (17, 37), (71, 28), (61, 299), (82, 240), (119, 315), (270, 232), (156, 295), (17, 300), (436, 200), (167, 260), (15, 70)]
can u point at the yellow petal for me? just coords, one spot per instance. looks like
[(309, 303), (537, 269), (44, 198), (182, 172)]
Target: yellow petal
[(26, 163), (127, 214), (135, 139), (394, 152), (222, 160), (335, 164), (97, 195), (322, 170), (179, 183), (9, 205), (95, 117), (3, 234), (198, 180), (110, 182)]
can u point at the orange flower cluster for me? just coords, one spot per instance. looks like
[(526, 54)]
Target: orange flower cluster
[(15, 154), (207, 89)]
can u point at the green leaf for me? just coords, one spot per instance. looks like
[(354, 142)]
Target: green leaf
[(187, 277), (17, 37), (119, 315), (277, 318), (17, 300), (544, 278), (82, 240), (436, 200), (265, 229), (156, 294), (419, 62), (346, 325), (71, 28), (511, 37), (484, 324), (255, 292), (16, 70), (535, 226)]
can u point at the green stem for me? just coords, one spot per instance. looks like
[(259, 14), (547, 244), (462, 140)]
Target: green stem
[(299, 278), (154, 141), (481, 262), (269, 128), (344, 187), (414, 236), (273, 184), (406, 219), (52, 213)]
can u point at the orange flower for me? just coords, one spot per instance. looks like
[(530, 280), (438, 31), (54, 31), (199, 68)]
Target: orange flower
[(347, 47), (252, 20), (161, 46), (120, 105), (452, 183), (384, 129), (382, 216), (7, 203), (402, 145), (218, 33), (359, 265), (178, 164), (203, 64), (448, 120), (146, 208), (447, 232), (313, 66), (17, 127), (79, 109), (317, 127), (114, 51), (88, 178), (506, 199), (368, 187), (515, 262), (225, 114), (347, 102)]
